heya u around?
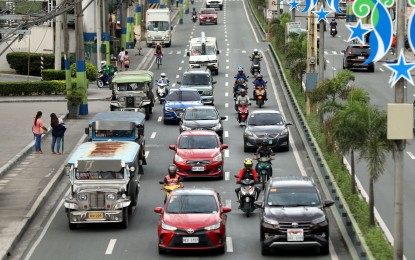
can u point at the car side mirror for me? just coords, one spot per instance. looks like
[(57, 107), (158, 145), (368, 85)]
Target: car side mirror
[(226, 209), (223, 118), (172, 147), (214, 82), (87, 130), (158, 210), (188, 54), (258, 204), (288, 123), (328, 203), (179, 82), (224, 146)]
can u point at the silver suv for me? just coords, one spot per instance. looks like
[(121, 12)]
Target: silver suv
[(202, 81)]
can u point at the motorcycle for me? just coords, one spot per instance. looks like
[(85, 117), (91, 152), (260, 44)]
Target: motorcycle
[(260, 96), (255, 66), (247, 196), (101, 81), (192, 1), (333, 31), (168, 189), (194, 18), (264, 168), (162, 90), (242, 114)]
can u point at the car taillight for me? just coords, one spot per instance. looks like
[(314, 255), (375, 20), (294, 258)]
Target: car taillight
[(350, 52)]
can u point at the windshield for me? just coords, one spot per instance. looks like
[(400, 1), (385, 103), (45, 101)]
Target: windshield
[(262, 119), (99, 175), (198, 142), (183, 96), (203, 114), (196, 79), (207, 11), (130, 86), (360, 50), (184, 204), (197, 50), (158, 26), (293, 197), (114, 133)]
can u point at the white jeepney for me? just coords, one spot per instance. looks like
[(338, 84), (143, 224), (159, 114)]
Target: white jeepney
[(203, 51)]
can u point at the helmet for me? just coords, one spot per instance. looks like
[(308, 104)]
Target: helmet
[(333, 19), (158, 44), (248, 164), (243, 92), (103, 63), (255, 51), (264, 143), (240, 68), (259, 76), (240, 81), (163, 75), (172, 169)]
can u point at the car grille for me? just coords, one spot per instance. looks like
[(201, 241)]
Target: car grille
[(200, 92), (198, 162), (198, 172), (130, 102), (177, 241), (288, 225), (97, 200), (268, 135)]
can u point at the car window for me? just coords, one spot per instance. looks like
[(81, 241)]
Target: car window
[(99, 175), (200, 114), (198, 142), (114, 133), (207, 11), (184, 204), (183, 96), (292, 197), (158, 26), (261, 119), (138, 86), (358, 50), (196, 79)]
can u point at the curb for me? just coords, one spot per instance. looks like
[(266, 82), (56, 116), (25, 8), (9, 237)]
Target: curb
[(17, 76), (26, 100)]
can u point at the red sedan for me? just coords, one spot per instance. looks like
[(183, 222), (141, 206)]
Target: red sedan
[(208, 15), (192, 219), (199, 153)]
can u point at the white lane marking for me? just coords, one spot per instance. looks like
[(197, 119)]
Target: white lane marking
[(146, 154), (228, 203), (179, 52), (226, 134), (328, 62), (50, 173), (226, 153), (411, 155), (226, 75), (227, 174), (174, 84), (227, 60), (159, 119), (226, 40), (227, 67), (180, 68), (381, 69), (226, 118), (229, 245), (334, 52), (177, 76), (250, 24), (332, 251), (170, 52), (12, 175), (244, 51), (226, 84), (153, 135), (110, 247), (4, 181), (227, 54), (226, 94), (227, 44), (182, 61), (226, 104), (326, 52), (334, 69), (344, 40)]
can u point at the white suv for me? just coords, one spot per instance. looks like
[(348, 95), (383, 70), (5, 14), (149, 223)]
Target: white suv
[(214, 4)]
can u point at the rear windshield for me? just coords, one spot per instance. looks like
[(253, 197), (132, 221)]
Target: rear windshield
[(185, 204), (207, 11), (198, 50), (202, 114), (360, 50), (130, 86), (293, 197), (196, 79), (262, 119), (183, 96), (198, 142)]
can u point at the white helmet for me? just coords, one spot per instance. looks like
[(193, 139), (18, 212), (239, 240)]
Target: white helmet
[(103, 63), (163, 75), (255, 51)]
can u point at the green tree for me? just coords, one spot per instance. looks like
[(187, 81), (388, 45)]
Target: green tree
[(296, 55)]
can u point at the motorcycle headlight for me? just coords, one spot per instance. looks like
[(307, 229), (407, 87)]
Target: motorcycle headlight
[(214, 226), (82, 197), (177, 158), (121, 99), (111, 196), (271, 221), (218, 158), (319, 220), (284, 132), (243, 191), (167, 227)]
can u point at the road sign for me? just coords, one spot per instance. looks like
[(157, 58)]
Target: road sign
[(269, 14)]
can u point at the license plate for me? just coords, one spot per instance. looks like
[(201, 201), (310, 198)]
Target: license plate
[(95, 215), (198, 169), (190, 240), (361, 57), (207, 20), (295, 234)]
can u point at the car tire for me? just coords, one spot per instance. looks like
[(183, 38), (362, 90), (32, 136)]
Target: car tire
[(124, 223), (132, 192), (264, 249), (162, 251), (217, 22), (222, 250), (221, 8), (324, 250), (246, 148), (112, 108), (220, 177), (72, 226), (261, 235), (168, 44), (147, 112), (217, 72), (287, 148), (371, 68), (200, 23)]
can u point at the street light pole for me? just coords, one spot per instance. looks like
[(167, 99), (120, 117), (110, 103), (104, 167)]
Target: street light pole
[(80, 58), (400, 144), (58, 35), (321, 51)]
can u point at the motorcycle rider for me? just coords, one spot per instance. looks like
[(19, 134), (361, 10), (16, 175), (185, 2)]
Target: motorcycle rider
[(240, 83), (164, 80), (194, 13), (247, 173), (264, 151), (106, 70), (258, 82), (172, 178), (241, 74), (256, 55), (242, 99), (333, 24)]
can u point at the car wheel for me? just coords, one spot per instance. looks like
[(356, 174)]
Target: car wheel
[(371, 68), (161, 251), (222, 250), (72, 226), (124, 223), (164, 121), (220, 177), (168, 44), (324, 250), (132, 192), (261, 235), (112, 108), (287, 148), (217, 72), (217, 22), (221, 8), (264, 249), (147, 112), (246, 149)]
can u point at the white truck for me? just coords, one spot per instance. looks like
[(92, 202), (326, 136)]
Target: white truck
[(158, 26), (203, 51)]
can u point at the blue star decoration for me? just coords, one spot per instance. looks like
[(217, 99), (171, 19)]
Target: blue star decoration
[(358, 32), (322, 14), (401, 69), (294, 5)]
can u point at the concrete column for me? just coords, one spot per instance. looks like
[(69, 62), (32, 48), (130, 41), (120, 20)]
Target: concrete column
[(130, 29), (81, 82), (58, 35), (187, 7), (99, 32), (124, 25), (90, 32), (106, 32), (181, 11)]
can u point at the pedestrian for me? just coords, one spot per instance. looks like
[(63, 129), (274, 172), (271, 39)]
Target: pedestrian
[(121, 58), (58, 131), (38, 129), (126, 61)]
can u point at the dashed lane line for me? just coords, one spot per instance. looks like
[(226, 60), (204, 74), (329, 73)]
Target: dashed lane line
[(226, 134), (226, 84), (226, 94), (174, 84), (229, 245), (146, 154), (153, 135), (226, 75), (182, 61), (159, 119), (180, 68), (227, 67), (226, 104), (227, 176), (411, 155), (226, 153), (177, 76), (111, 246)]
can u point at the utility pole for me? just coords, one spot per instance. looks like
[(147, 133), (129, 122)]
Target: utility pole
[(124, 7), (98, 23), (278, 9), (400, 144), (58, 36), (311, 52), (67, 54), (80, 58), (321, 51)]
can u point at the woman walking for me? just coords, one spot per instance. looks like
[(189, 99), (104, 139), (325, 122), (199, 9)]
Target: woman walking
[(126, 61), (58, 131), (38, 128)]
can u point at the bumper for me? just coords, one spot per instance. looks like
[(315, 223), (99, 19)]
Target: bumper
[(211, 21), (154, 42), (211, 66), (214, 5), (358, 64), (208, 240), (213, 169), (208, 100), (254, 142), (79, 217)]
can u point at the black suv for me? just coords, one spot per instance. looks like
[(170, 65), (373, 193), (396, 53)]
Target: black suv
[(355, 55), (292, 215), (201, 80)]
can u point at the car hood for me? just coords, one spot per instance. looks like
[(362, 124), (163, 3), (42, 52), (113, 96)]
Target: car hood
[(193, 221), (262, 130), (182, 104), (207, 87), (289, 214), (197, 154), (195, 124)]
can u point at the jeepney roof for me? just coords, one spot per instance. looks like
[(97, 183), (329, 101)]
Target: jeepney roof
[(106, 150), (137, 118), (133, 76), (198, 40)]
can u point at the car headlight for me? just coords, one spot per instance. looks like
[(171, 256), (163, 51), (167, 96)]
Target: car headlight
[(214, 17), (111, 196), (284, 132), (319, 220), (121, 99), (248, 133), (217, 127), (218, 158), (167, 227), (271, 221), (214, 226), (177, 158), (169, 109), (186, 128), (82, 197)]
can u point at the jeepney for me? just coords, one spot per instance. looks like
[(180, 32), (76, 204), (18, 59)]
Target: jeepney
[(133, 91), (104, 183), (119, 126)]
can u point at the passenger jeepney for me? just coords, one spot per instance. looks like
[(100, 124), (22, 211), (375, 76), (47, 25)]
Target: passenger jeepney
[(119, 126), (133, 91), (104, 183)]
